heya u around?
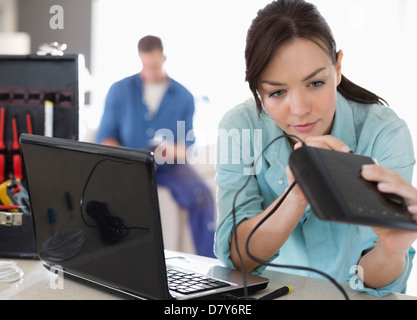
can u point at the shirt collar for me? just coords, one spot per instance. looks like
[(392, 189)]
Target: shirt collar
[(344, 123), (170, 87), (279, 151), (276, 155)]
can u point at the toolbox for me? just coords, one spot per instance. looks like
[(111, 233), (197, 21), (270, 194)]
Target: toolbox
[(39, 94)]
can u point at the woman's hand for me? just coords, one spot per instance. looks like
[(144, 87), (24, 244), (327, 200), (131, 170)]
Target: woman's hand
[(326, 142), (386, 261), (296, 195), (390, 181)]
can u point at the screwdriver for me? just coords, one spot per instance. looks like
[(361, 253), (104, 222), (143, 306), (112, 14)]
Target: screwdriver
[(17, 161), (29, 123), (10, 207)]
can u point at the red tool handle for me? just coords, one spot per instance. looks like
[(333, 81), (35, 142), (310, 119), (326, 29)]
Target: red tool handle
[(2, 146), (17, 161), (10, 207), (29, 123)]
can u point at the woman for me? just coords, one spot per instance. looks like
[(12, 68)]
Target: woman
[(294, 72)]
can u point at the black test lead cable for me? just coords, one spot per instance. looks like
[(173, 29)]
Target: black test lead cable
[(245, 288), (264, 262)]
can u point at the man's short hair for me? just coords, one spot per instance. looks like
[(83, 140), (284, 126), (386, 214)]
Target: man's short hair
[(150, 43)]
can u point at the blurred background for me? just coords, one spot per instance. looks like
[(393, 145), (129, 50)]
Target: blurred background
[(204, 43)]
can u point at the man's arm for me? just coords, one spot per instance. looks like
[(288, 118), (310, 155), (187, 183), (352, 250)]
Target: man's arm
[(111, 142)]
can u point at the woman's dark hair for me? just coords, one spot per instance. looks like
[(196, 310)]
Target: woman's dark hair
[(285, 20)]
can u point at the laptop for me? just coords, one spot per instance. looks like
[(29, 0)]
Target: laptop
[(96, 218)]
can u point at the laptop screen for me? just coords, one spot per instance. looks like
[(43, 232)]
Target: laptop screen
[(96, 214)]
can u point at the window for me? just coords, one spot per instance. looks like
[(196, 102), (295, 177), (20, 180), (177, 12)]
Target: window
[(204, 42)]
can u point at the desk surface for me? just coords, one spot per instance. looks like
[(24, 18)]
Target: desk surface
[(40, 284)]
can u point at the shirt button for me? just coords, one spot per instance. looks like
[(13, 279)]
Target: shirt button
[(148, 116), (281, 181), (150, 132)]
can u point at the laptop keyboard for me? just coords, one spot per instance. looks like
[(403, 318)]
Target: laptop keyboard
[(188, 282)]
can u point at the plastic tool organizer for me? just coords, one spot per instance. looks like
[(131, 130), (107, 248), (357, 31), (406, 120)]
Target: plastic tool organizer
[(39, 95), (27, 83)]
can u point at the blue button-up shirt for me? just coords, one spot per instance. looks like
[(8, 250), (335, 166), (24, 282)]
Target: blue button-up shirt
[(331, 247), (127, 118)]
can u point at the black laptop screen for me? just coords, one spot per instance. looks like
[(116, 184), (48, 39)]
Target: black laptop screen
[(95, 211)]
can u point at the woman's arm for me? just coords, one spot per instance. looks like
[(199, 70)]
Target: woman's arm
[(270, 236), (386, 261)]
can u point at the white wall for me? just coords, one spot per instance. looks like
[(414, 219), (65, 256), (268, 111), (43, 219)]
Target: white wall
[(8, 15), (11, 41), (205, 41)]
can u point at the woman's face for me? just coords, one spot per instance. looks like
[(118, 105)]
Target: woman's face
[(298, 89)]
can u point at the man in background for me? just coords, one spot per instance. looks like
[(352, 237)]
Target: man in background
[(151, 102)]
